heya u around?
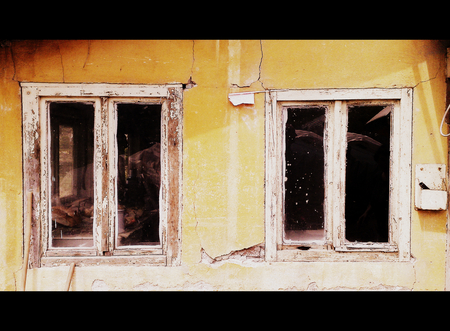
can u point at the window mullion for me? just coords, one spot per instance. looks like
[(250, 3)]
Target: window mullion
[(101, 176), (404, 179), (339, 144), (111, 135), (273, 198), (328, 138)]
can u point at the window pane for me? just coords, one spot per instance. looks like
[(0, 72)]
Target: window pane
[(71, 150), (139, 174), (65, 160), (367, 175), (304, 175)]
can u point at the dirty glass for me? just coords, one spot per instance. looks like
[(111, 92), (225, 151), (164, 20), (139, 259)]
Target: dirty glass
[(367, 174), (304, 174), (139, 174), (71, 174)]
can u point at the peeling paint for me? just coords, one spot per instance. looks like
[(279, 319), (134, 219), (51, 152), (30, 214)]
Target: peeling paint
[(222, 195), (198, 286), (99, 285), (312, 287), (379, 287), (254, 254)]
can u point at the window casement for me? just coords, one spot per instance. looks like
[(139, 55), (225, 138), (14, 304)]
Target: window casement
[(104, 163), (338, 174)]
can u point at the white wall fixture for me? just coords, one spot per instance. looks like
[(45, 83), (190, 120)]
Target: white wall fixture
[(242, 98), (431, 187)]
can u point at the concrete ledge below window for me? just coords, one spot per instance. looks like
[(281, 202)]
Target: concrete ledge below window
[(149, 260), (313, 255)]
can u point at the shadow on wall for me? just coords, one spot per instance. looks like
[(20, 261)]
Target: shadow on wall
[(428, 108)]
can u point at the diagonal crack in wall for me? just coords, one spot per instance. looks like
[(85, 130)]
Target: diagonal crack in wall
[(254, 253), (62, 64), (427, 80), (260, 64), (259, 71)]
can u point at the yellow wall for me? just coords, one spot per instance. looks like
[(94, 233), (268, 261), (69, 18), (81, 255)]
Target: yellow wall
[(223, 189)]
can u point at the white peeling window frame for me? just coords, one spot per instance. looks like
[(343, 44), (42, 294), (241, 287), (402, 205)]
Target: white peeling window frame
[(336, 247), (36, 98)]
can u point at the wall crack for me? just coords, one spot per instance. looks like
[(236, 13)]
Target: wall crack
[(260, 64), (430, 79), (62, 64), (14, 63), (20, 276), (194, 205), (88, 53), (193, 58), (190, 83), (4, 43), (250, 254), (259, 72), (415, 273)]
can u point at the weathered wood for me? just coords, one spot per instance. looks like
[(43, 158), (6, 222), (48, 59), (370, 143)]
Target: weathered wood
[(100, 90), (272, 192), (174, 172), (334, 256), (27, 237), (69, 276), (103, 178), (70, 252), (32, 166), (150, 260), (335, 144), (35, 98), (338, 172), (138, 251), (404, 179), (339, 94)]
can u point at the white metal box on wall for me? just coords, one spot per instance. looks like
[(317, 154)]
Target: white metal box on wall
[(431, 187)]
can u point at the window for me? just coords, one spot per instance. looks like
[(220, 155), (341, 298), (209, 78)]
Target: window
[(104, 164), (338, 174), (71, 184)]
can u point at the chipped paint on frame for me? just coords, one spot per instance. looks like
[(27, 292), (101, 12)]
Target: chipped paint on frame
[(36, 139)]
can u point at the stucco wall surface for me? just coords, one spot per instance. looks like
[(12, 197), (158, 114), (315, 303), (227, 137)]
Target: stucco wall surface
[(223, 153)]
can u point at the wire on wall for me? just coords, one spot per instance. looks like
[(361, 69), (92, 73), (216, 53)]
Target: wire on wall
[(442, 122)]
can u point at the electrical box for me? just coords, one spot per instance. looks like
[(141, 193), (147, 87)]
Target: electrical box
[(431, 187)]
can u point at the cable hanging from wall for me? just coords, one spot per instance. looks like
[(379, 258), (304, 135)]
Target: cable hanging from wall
[(442, 122)]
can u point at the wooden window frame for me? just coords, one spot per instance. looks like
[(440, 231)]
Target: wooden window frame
[(336, 247), (35, 100)]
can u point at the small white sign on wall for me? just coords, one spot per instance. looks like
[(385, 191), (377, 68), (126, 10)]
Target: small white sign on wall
[(241, 98)]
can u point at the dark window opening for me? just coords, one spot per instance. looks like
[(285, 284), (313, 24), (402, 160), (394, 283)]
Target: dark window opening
[(139, 173), (304, 174), (71, 174), (367, 174)]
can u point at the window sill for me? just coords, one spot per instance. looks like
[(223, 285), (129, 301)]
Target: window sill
[(367, 247), (320, 255), (146, 260)]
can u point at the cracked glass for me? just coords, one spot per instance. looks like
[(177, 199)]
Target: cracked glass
[(304, 174)]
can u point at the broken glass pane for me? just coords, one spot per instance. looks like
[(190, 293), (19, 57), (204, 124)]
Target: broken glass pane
[(367, 174), (304, 174), (71, 174), (139, 174)]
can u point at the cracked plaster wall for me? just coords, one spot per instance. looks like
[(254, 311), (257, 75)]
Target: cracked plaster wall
[(223, 190)]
